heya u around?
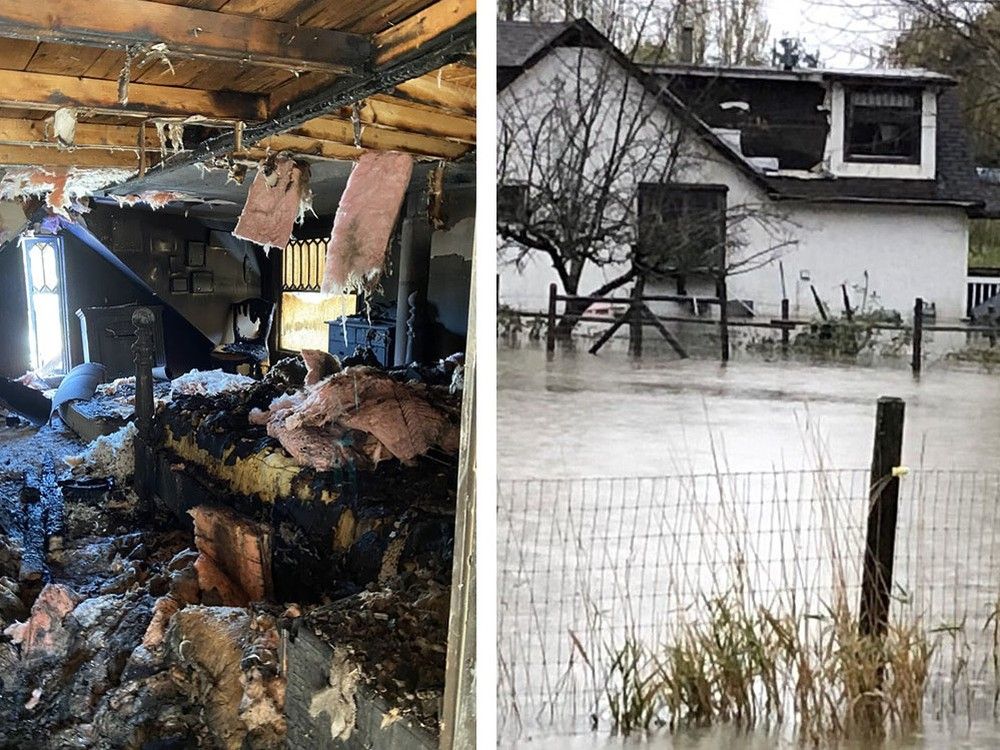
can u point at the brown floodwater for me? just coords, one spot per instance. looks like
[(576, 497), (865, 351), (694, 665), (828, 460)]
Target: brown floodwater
[(580, 416), (608, 416)]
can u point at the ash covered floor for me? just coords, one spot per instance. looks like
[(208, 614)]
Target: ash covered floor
[(122, 628)]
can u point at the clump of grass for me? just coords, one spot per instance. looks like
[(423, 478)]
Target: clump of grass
[(753, 667), (632, 692)]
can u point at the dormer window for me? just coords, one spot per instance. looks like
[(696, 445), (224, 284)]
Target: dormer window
[(882, 125)]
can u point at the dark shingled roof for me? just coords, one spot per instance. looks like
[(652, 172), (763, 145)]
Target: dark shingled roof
[(518, 41)]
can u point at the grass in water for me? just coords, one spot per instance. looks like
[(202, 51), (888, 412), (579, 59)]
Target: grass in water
[(750, 667)]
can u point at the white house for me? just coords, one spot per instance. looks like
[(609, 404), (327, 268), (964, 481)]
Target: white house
[(860, 180)]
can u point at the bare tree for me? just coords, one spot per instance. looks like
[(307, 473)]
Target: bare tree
[(963, 40), (576, 149), (726, 32)]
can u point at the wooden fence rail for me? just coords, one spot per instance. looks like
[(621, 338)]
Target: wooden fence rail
[(637, 314)]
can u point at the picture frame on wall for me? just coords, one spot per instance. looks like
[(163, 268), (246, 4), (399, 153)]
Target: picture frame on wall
[(163, 243), (195, 253), (202, 282)]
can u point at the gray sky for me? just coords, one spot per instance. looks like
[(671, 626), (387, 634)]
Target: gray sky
[(844, 32)]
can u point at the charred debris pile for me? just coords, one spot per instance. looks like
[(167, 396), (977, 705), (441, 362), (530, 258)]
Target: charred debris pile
[(318, 501)]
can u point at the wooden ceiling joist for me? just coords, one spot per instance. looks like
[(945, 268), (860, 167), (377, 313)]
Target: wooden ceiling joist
[(436, 46), (25, 156), (306, 147), (50, 92), (37, 133), (185, 32), (433, 90), (382, 139), (384, 111), (420, 28)]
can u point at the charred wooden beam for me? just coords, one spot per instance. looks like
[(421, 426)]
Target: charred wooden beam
[(430, 89), (342, 131), (422, 28), (388, 112), (447, 47), (185, 32), (38, 134), (50, 92)]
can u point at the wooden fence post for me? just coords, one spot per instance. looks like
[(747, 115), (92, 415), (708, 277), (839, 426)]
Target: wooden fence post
[(918, 335), (883, 502), (723, 317), (550, 333), (636, 316), (785, 333)]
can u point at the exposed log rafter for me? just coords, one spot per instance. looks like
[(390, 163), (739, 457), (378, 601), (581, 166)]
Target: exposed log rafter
[(90, 136), (186, 33), (410, 59), (49, 92)]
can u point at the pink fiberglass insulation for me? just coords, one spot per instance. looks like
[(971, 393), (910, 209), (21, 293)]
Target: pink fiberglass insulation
[(275, 202), (365, 219), (361, 416)]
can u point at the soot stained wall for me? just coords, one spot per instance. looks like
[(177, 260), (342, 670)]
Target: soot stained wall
[(450, 284), (13, 312), (154, 245)]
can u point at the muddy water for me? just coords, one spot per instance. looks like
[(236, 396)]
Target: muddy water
[(606, 416), (583, 416), (960, 738)]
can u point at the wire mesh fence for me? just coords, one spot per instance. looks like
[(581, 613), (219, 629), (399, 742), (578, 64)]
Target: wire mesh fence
[(586, 566)]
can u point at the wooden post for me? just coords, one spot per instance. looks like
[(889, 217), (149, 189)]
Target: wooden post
[(784, 330), (819, 303), (458, 721), (143, 352), (882, 507), (635, 314), (550, 333), (848, 312), (723, 317), (918, 335)]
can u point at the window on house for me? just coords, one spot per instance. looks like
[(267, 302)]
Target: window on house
[(883, 125), (304, 312), (682, 229), (43, 274), (512, 203)]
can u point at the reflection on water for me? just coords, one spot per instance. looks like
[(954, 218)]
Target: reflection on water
[(582, 415)]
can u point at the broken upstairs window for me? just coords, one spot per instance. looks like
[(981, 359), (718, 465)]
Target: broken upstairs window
[(682, 229), (883, 125)]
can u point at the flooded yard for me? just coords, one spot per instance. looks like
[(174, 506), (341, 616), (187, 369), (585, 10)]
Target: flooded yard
[(657, 485), (608, 416)]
